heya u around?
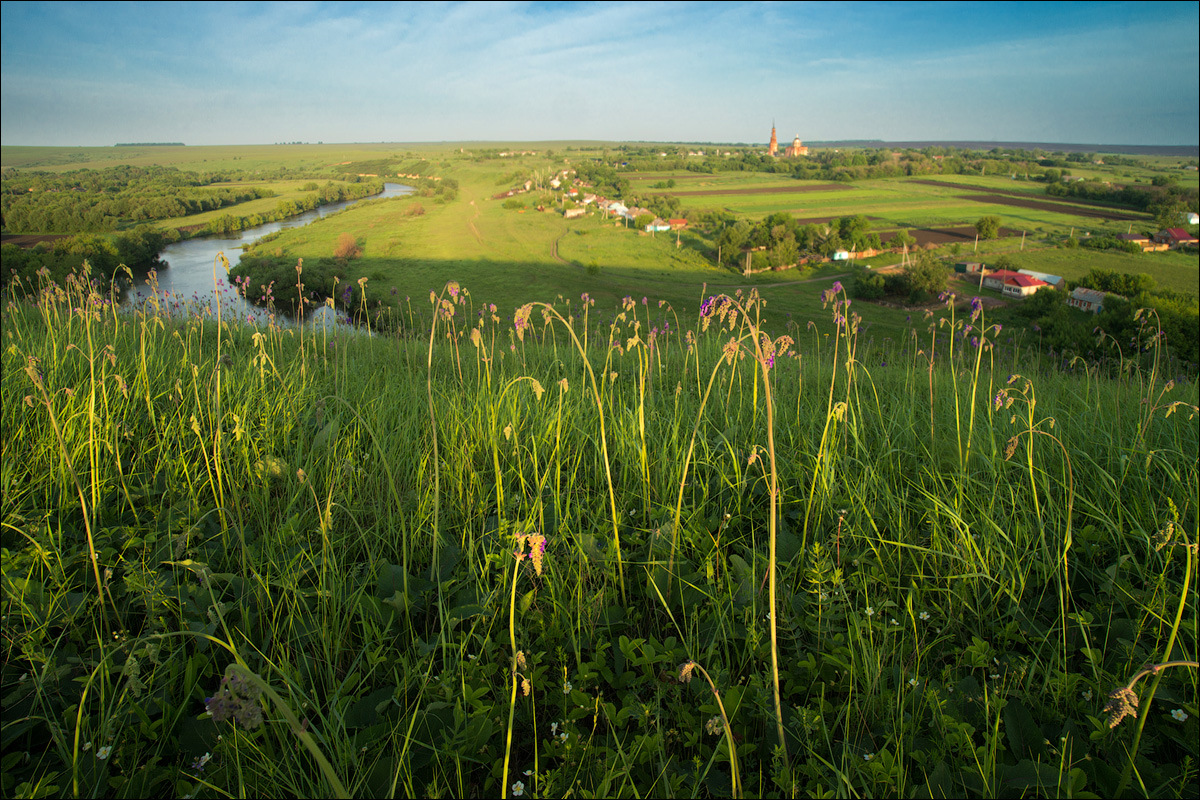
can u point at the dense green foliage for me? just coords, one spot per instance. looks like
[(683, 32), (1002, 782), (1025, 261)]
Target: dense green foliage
[(103, 200), (490, 562), (137, 249)]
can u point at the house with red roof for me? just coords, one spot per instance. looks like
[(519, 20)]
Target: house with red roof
[(1013, 284), (1175, 237)]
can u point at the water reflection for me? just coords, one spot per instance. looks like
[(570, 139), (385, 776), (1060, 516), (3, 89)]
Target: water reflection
[(186, 286)]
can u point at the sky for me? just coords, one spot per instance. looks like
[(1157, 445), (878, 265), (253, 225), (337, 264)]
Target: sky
[(260, 73)]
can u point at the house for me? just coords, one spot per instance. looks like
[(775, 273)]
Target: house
[(677, 224), (1087, 300), (1022, 285), (1175, 237), (996, 279), (968, 267), (1143, 241), (1053, 280), (658, 226)]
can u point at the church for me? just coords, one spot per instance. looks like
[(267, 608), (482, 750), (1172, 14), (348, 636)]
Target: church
[(797, 147)]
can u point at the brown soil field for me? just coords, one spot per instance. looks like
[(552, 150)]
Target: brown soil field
[(1058, 208), (822, 187), (1062, 205), (821, 220), (30, 239), (936, 236), (641, 176)]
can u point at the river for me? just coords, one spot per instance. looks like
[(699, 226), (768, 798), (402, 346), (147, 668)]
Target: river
[(187, 284)]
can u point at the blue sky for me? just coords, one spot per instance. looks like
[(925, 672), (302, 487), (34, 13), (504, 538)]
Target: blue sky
[(248, 73)]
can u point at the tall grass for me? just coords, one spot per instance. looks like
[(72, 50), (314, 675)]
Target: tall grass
[(482, 562)]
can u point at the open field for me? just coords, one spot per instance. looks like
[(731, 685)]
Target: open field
[(1173, 270)]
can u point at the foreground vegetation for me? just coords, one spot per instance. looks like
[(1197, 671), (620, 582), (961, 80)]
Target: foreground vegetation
[(588, 551)]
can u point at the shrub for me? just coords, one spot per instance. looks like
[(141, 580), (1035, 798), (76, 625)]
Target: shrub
[(347, 247)]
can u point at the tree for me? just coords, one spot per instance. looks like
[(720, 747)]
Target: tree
[(926, 277), (901, 240), (1169, 213), (988, 227)]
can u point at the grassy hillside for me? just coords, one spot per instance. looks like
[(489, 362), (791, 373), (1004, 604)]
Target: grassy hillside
[(587, 555)]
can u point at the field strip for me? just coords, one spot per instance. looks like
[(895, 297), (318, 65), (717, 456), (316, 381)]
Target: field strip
[(823, 187), (1058, 208)]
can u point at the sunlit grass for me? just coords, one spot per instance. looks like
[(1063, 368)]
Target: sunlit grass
[(479, 561)]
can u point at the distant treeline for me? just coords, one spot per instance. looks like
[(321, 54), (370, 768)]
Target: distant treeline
[(97, 201), (1143, 198), (101, 201), (148, 144)]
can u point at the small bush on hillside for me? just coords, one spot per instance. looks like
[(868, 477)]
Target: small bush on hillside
[(347, 247)]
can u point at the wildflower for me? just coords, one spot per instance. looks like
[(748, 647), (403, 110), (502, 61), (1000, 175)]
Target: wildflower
[(567, 688), (553, 728), (1086, 695), (685, 671), (870, 611), (104, 752), (537, 549), (868, 756), (924, 615), (1179, 715), (518, 789), (912, 682), (713, 726), (1121, 703), (894, 622), (199, 763), (237, 699)]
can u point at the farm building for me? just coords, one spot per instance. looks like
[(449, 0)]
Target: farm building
[(1175, 237), (1022, 285), (1053, 280), (1013, 284), (677, 223), (968, 267), (996, 279), (1143, 241), (1087, 300), (572, 213)]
